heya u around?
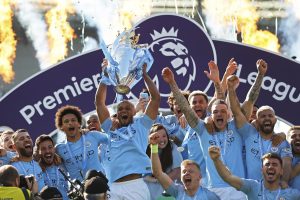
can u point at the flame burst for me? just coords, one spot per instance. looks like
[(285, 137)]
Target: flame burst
[(59, 32), (243, 16), (7, 42)]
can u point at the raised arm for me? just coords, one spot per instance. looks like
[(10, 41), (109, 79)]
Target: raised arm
[(100, 98), (183, 104), (231, 68), (253, 92), (295, 171), (287, 169), (223, 171), (157, 171), (214, 76), (153, 105), (232, 83)]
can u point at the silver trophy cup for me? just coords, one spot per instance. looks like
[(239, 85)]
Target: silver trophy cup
[(126, 59)]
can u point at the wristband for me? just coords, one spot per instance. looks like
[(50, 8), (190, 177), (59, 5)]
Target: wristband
[(154, 148)]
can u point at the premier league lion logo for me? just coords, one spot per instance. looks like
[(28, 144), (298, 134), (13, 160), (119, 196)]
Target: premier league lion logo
[(181, 44), (176, 54)]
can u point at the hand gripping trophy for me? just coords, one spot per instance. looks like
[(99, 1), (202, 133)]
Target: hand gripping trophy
[(126, 59)]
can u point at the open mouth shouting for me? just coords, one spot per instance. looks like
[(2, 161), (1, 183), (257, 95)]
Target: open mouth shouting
[(124, 117), (187, 180), (267, 124), (220, 123), (92, 128), (270, 175), (28, 146), (10, 147), (199, 112), (179, 113), (48, 158), (296, 146)]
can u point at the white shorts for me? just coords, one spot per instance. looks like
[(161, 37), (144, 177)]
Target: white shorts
[(229, 193), (129, 190)]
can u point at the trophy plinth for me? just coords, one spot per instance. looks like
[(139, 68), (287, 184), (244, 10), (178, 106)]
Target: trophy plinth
[(122, 89)]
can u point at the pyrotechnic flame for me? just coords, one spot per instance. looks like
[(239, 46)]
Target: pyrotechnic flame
[(59, 32), (7, 42), (239, 15)]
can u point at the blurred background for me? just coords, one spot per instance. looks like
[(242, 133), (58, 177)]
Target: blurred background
[(37, 34)]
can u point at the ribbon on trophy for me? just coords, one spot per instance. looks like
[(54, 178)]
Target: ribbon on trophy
[(125, 62)]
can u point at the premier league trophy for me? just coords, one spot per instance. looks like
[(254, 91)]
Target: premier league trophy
[(126, 59)]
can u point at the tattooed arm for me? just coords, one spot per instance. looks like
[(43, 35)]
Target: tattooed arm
[(183, 104), (253, 93)]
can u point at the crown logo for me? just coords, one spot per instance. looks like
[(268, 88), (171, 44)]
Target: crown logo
[(164, 33)]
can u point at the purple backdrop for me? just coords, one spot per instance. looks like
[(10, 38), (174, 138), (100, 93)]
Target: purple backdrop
[(174, 41)]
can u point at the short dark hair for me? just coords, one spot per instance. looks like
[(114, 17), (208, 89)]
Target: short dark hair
[(8, 175), (294, 128), (190, 162), (41, 139), (125, 101), (15, 134), (68, 109), (272, 155), (94, 173), (220, 101), (50, 193), (96, 185), (198, 92)]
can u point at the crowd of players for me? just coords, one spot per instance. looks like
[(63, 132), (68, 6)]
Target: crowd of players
[(214, 148)]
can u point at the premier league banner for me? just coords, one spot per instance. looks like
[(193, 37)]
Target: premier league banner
[(174, 41)]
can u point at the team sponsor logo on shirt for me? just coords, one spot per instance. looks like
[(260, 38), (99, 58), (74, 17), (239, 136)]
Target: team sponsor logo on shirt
[(255, 152), (88, 144), (287, 150), (230, 133), (274, 149)]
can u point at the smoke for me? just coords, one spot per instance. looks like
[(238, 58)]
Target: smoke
[(112, 17), (36, 29), (289, 27), (89, 44), (102, 14), (219, 19)]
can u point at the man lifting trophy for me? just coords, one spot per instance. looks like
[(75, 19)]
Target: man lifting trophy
[(125, 61)]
